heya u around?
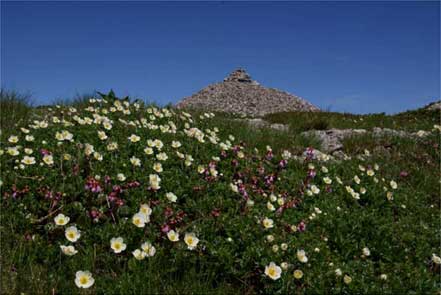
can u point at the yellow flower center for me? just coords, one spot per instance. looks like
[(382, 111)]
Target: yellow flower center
[(272, 272), (71, 235), (84, 280), (117, 246)]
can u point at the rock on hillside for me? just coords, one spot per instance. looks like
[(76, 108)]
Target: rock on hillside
[(434, 106), (239, 94)]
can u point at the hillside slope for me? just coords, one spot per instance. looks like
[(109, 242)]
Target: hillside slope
[(150, 200)]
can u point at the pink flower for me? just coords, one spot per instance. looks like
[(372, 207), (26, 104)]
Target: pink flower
[(44, 152), (165, 228), (302, 226), (215, 212), (404, 174), (283, 163)]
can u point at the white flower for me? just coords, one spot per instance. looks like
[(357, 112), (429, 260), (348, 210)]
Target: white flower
[(148, 151), (154, 181), (357, 179), (191, 240), (135, 161), (134, 138), (436, 259), (13, 139), (158, 144), (88, 149), (315, 189), (327, 180), (162, 156), (298, 274), (72, 234), (146, 210), (270, 206), (213, 172), (112, 146), (148, 249), (176, 144), (48, 159), (171, 197), (68, 250), (286, 155), (273, 271), (268, 223), (138, 254), (366, 251), (280, 201), (157, 167), (338, 272), (84, 279), (61, 219), (393, 184), (102, 135), (120, 177), (173, 236), (139, 219), (117, 245), (273, 197), (28, 160), (98, 156), (301, 256), (13, 151)]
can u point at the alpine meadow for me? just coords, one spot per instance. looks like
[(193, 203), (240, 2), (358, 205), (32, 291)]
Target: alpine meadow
[(114, 196)]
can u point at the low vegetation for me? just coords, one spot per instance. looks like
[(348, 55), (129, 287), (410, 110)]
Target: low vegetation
[(15, 107), (119, 197), (415, 120)]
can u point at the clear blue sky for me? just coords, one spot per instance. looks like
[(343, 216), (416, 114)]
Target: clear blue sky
[(348, 56)]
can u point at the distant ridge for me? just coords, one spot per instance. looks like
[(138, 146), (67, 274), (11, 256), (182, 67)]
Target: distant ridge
[(240, 94)]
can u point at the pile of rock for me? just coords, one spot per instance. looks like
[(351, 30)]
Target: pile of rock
[(240, 94), (240, 75)]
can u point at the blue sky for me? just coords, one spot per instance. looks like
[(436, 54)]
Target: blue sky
[(345, 56)]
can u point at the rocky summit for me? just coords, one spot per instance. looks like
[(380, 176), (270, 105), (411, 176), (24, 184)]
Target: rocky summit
[(240, 94)]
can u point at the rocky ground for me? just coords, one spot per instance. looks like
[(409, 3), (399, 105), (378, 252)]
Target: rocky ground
[(331, 140)]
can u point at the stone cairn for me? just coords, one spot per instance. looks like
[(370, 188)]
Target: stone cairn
[(240, 94)]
